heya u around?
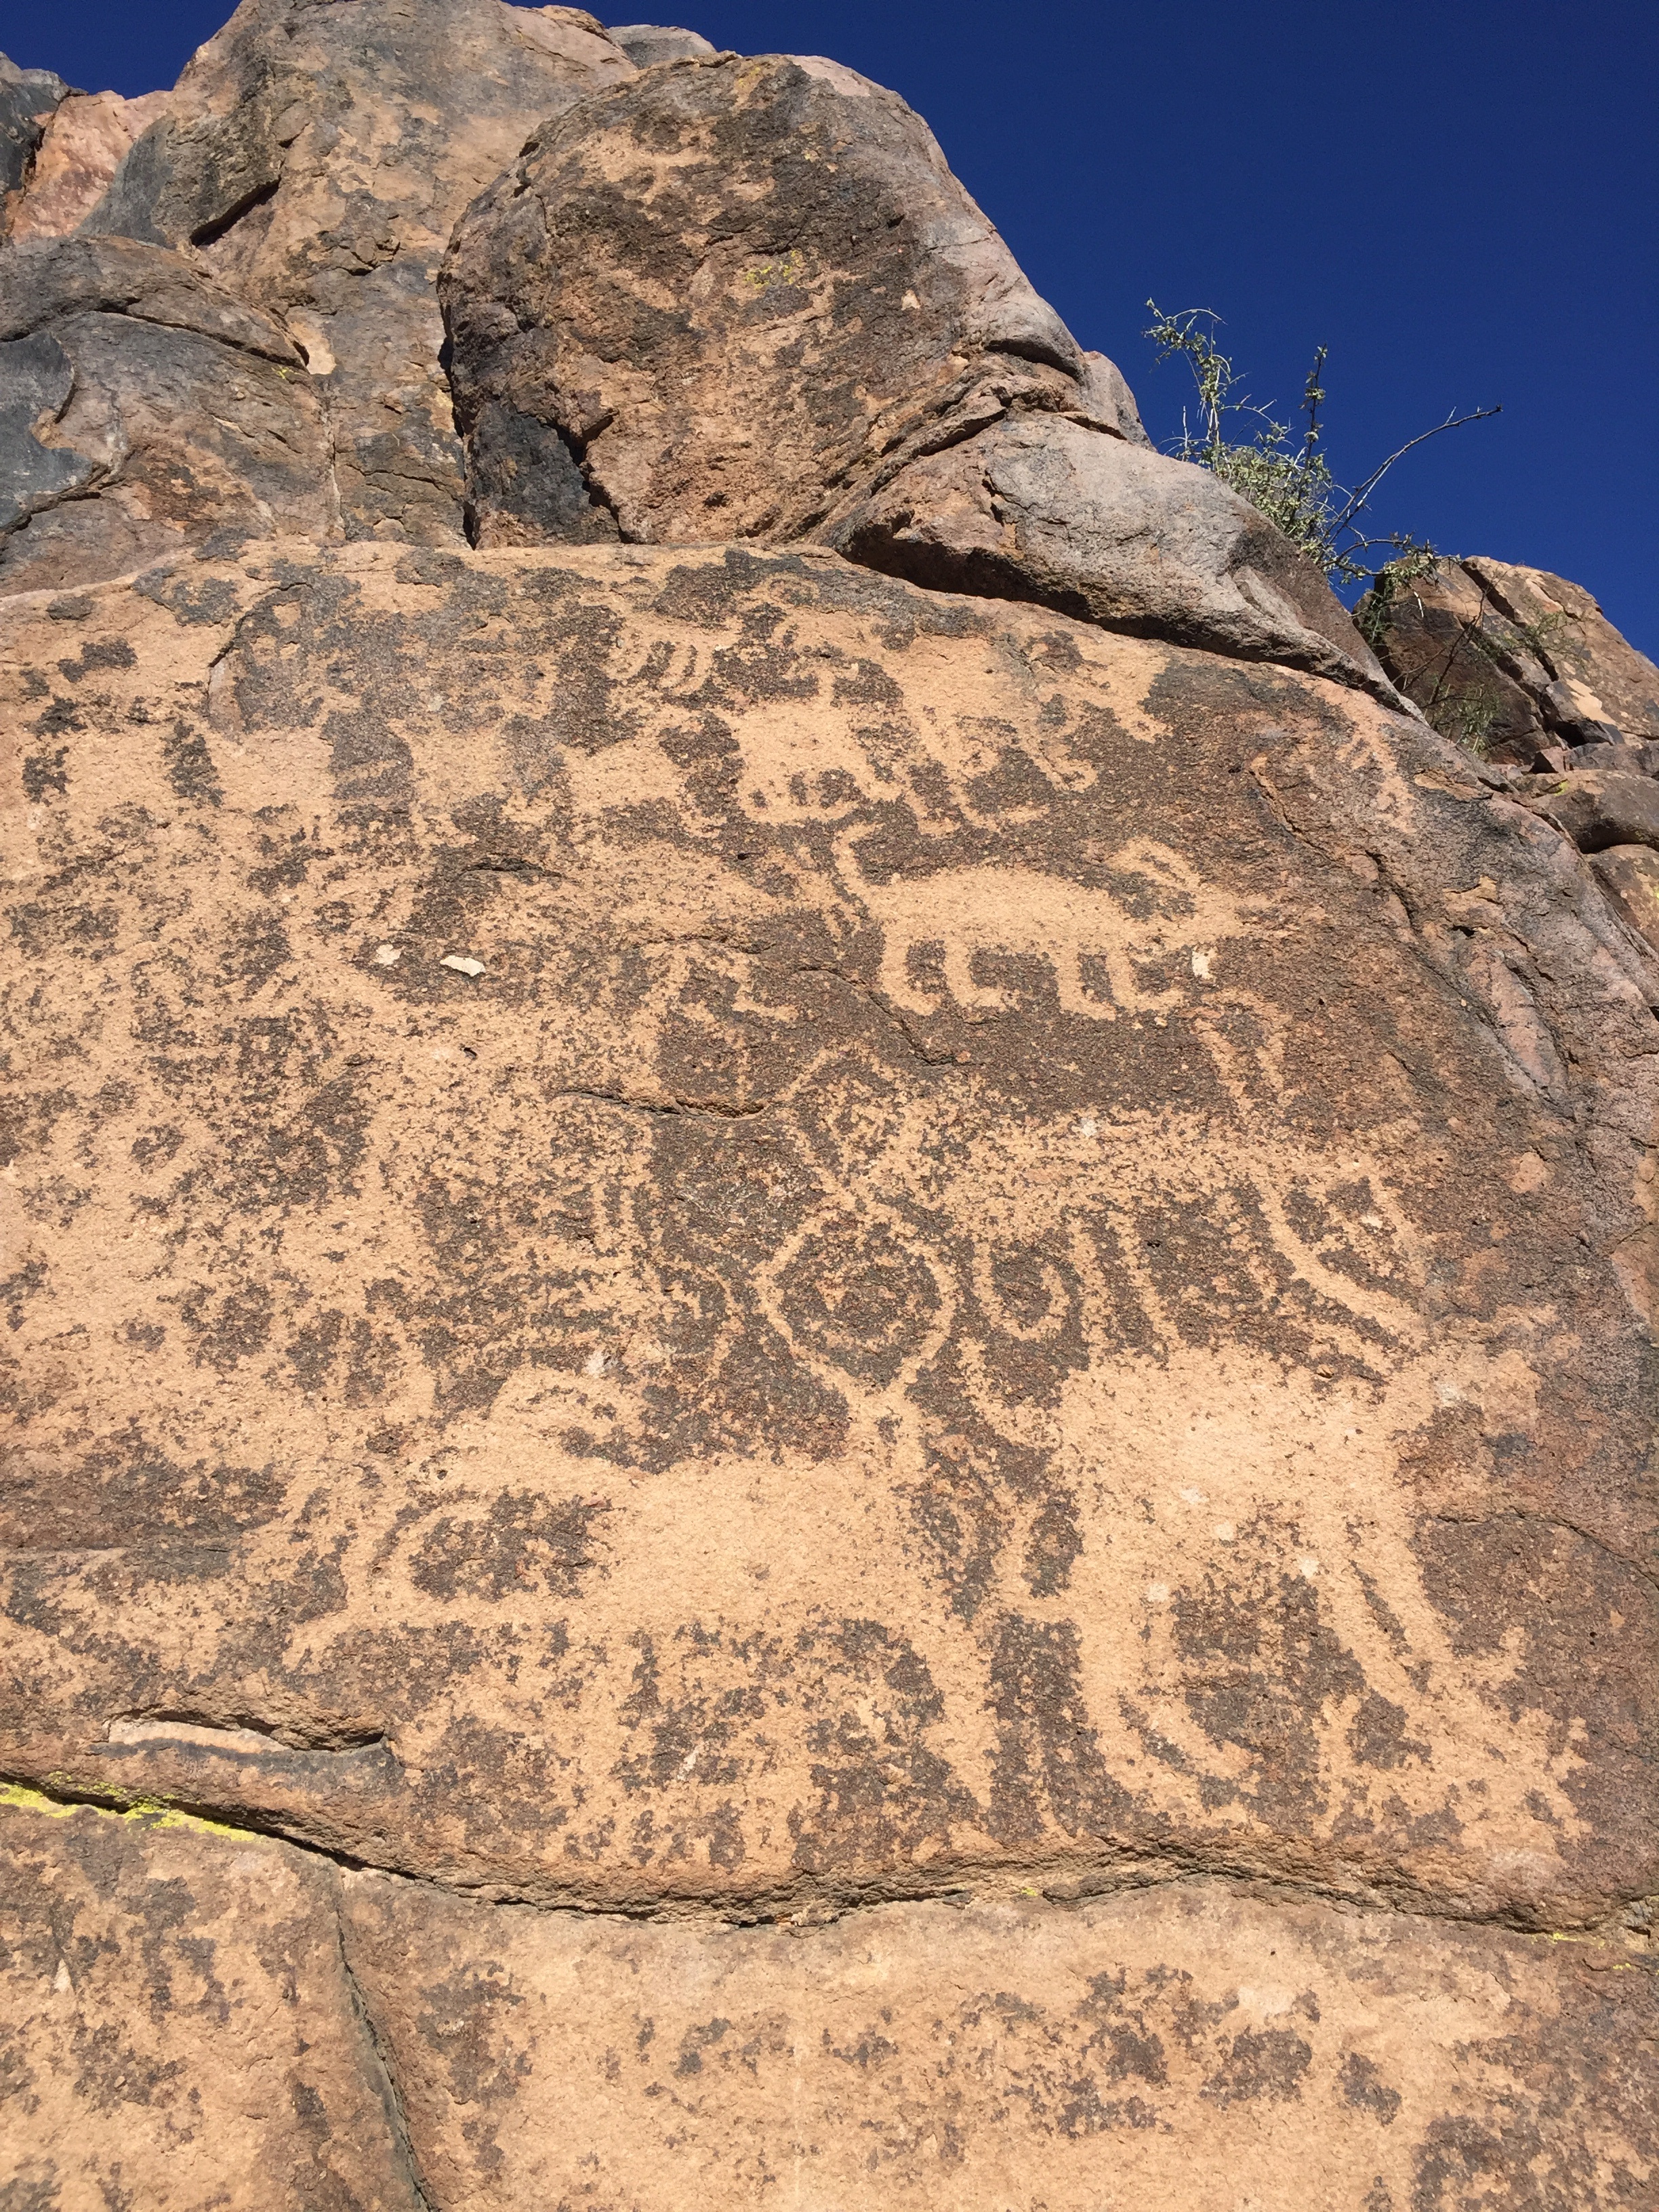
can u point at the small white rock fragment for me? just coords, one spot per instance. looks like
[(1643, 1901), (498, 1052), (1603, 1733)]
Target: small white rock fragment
[(1201, 962), (388, 956), (463, 963)]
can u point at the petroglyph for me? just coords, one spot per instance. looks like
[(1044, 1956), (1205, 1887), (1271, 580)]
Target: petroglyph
[(1155, 914), (901, 1320)]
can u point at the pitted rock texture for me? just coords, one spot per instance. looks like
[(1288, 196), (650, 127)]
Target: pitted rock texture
[(1522, 663), (314, 159), (828, 1365), (1184, 2047), (205, 2018), (179, 2024), (143, 408), (746, 300), (981, 1266)]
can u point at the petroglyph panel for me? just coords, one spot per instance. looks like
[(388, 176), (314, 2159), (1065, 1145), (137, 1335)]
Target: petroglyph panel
[(714, 1228)]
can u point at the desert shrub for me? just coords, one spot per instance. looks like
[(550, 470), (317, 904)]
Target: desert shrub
[(1283, 477)]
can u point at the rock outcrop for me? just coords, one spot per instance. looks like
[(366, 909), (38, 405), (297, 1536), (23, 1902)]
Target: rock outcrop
[(648, 44), (1525, 669), (176, 415), (822, 1386), (746, 300), (1522, 663), (786, 1242), (28, 99), (80, 147), (316, 158)]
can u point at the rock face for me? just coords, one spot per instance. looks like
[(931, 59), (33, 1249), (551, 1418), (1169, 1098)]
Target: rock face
[(316, 158), (28, 100), (181, 2020), (786, 1242), (819, 1390), (79, 149), (747, 301), (378, 2043), (145, 407), (1517, 661), (1526, 669)]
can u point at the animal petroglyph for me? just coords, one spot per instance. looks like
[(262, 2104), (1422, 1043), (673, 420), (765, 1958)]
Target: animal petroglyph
[(1154, 911)]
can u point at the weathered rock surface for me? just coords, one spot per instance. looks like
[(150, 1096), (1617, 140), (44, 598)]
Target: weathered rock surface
[(27, 99), (1049, 510), (315, 158), (648, 44), (143, 409), (1591, 667), (1527, 670), (982, 1275), (1630, 875), (1595, 808), (1180, 2048), (746, 300), (1519, 662), (818, 1389), (80, 148), (240, 2024), (181, 2028)]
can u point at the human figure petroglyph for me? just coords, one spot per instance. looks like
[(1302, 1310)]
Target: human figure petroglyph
[(1027, 912)]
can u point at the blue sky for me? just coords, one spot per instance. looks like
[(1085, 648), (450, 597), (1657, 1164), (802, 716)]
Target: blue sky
[(1460, 200)]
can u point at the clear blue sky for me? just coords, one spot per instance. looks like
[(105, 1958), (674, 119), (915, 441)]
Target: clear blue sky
[(1461, 200)]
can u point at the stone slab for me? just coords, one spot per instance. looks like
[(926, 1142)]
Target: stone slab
[(178, 2029), (701, 1226), (1165, 2049)]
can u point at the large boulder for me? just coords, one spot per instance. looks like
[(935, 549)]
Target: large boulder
[(315, 159), (648, 44), (1597, 808), (700, 1233), (746, 300), (143, 409)]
